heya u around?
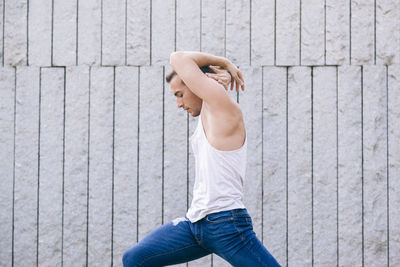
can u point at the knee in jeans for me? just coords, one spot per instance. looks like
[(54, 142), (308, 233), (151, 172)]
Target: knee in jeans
[(131, 258)]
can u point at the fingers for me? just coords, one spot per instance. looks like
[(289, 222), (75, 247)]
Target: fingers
[(215, 69)]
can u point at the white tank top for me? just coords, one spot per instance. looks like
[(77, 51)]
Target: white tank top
[(219, 177)]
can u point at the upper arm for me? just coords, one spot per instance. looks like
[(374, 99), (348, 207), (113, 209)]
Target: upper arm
[(205, 88)]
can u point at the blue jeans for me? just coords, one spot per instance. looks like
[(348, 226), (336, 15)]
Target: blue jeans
[(228, 234)]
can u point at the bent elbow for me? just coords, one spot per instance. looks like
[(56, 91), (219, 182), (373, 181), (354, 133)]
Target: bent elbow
[(174, 57)]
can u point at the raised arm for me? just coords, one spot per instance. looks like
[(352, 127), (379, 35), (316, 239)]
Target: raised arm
[(186, 65)]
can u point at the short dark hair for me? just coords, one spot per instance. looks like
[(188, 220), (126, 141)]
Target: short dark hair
[(204, 69)]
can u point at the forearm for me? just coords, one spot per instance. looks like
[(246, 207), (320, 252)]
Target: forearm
[(200, 58)]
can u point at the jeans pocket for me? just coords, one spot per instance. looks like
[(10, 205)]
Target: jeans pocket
[(219, 218)]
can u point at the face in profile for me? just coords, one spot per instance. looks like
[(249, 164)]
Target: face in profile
[(184, 97)]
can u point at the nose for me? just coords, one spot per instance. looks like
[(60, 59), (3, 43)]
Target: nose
[(179, 102)]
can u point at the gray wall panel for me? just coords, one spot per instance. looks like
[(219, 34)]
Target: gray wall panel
[(213, 27), (394, 164), (274, 161), (262, 32), (65, 33), (188, 24), (125, 161), (287, 32), (362, 32), (150, 149), (89, 32), (313, 32), (163, 31), (113, 32), (26, 166), (76, 165), (337, 32), (15, 32), (350, 166), (138, 32), (51, 170), (375, 164), (100, 165), (40, 32), (7, 95), (324, 167), (299, 167)]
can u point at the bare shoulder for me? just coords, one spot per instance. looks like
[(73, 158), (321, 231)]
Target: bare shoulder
[(224, 127)]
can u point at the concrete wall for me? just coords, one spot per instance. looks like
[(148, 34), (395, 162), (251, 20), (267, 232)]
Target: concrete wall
[(94, 153)]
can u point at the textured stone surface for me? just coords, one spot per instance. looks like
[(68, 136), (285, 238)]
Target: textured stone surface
[(89, 32), (76, 165), (150, 149), (375, 164), (274, 162), (262, 32), (125, 161), (163, 31), (394, 164), (65, 33), (175, 156), (349, 166), (312, 32), (15, 44), (7, 94), (187, 32), (113, 34), (337, 32), (251, 103), (238, 32), (26, 166), (299, 167), (138, 32), (362, 32), (51, 165), (213, 27), (100, 165), (324, 167), (287, 32), (387, 32), (40, 15)]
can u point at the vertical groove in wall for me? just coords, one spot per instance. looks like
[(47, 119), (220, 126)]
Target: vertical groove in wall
[(362, 163), (151, 30), (275, 32), (13, 186), (77, 33), (262, 154), (113, 171), (324, 32), (63, 175), (225, 29), (175, 26), (374, 32), (312, 166), (201, 23), (101, 34), (337, 167), (137, 159), (38, 171), (126, 32), (163, 148), (27, 32), (350, 15), (88, 171), (387, 165), (52, 33), (287, 166), (4, 21), (250, 32), (187, 161), (301, 4)]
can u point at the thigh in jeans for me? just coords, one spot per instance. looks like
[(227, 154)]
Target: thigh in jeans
[(168, 244)]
